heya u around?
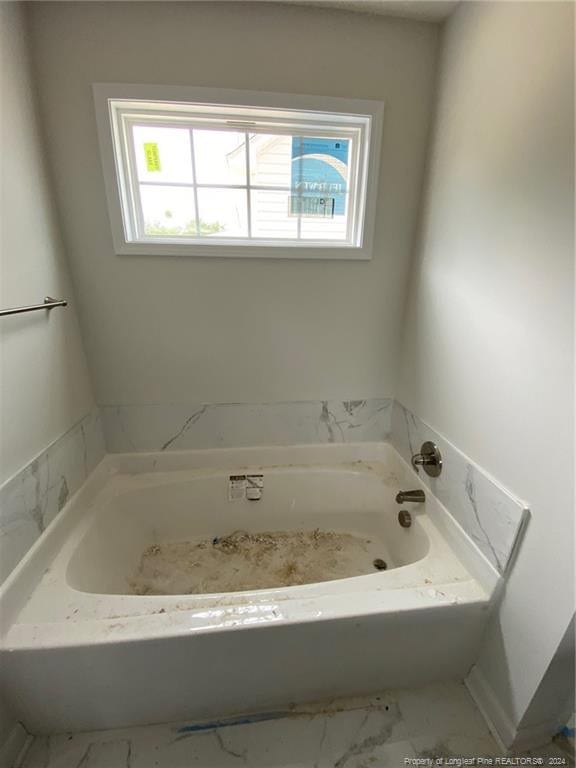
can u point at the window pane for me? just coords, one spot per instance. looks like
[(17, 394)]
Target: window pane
[(270, 160), (220, 157), (163, 154), (320, 174), (270, 217), (168, 211), (321, 166), (223, 212), (319, 227)]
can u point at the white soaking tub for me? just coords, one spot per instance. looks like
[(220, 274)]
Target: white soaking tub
[(138, 606)]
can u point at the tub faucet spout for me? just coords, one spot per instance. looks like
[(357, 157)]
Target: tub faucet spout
[(415, 496)]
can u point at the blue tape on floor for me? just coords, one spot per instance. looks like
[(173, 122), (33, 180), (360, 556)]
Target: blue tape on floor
[(245, 720)]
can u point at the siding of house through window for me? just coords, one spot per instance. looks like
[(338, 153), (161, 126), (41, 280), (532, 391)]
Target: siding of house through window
[(275, 161)]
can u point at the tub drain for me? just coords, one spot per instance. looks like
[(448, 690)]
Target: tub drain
[(380, 564)]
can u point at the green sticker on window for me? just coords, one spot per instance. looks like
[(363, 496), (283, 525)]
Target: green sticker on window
[(152, 156)]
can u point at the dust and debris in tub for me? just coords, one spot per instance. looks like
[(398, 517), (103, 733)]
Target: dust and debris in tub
[(245, 561)]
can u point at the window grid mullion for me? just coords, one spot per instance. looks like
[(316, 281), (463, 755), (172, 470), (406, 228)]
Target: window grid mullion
[(248, 187), (299, 220), (194, 180), (189, 185)]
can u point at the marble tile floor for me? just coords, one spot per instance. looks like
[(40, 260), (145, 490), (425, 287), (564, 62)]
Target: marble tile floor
[(393, 729)]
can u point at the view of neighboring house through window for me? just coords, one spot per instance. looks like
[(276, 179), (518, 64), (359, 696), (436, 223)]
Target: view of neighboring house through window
[(221, 183)]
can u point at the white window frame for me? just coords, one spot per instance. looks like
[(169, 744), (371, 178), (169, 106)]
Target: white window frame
[(338, 113)]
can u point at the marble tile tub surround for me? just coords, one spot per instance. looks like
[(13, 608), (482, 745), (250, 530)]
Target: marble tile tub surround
[(33, 497), (129, 428), (490, 515)]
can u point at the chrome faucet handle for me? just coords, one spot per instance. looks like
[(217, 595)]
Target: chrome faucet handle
[(429, 458), (420, 460)]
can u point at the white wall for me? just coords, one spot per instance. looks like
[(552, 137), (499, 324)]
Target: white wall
[(555, 693), (44, 386), (182, 330), (488, 346)]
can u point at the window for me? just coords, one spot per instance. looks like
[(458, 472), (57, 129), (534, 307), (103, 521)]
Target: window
[(195, 171)]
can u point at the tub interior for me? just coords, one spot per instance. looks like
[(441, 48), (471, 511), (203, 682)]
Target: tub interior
[(178, 537)]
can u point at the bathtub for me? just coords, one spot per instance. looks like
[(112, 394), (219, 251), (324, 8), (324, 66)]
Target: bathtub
[(82, 651)]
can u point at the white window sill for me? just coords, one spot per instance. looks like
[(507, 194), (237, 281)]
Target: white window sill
[(250, 251)]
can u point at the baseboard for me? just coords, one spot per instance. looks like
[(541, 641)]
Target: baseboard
[(14, 747), (497, 720), (507, 735)]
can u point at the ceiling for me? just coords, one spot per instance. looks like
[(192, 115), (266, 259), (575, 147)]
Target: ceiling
[(426, 10)]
